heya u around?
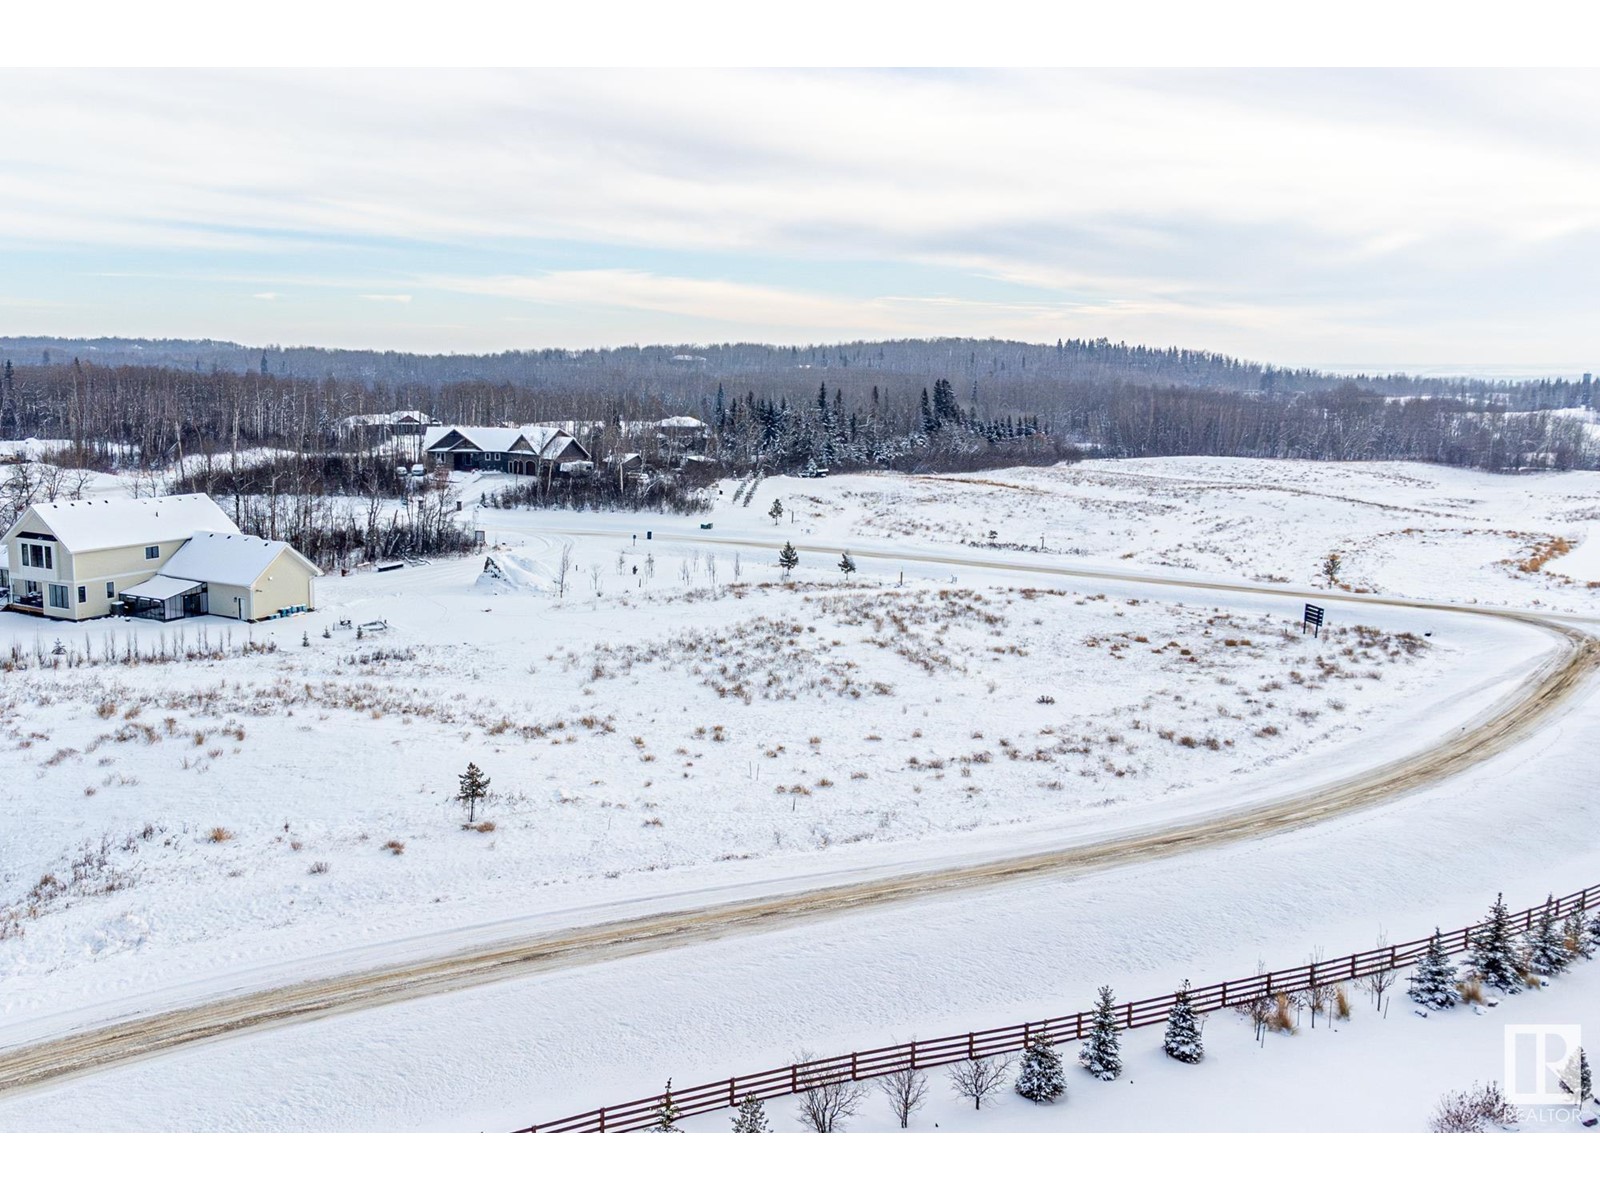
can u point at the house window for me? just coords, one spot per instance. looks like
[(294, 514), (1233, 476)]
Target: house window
[(37, 556), (5, 578), (152, 551), (83, 595), (58, 595), (111, 591)]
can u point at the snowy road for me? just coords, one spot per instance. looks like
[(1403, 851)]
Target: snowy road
[(695, 917)]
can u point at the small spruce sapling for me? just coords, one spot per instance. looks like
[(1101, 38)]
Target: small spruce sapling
[(474, 791), (776, 511), (847, 565), (666, 1114), (788, 558), (1576, 1079), (752, 1116), (1101, 1055), (1493, 957), (1183, 1030), (1041, 1079), (1546, 948), (1575, 938), (1433, 984)]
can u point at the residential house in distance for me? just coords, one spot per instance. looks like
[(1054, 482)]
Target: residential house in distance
[(164, 557), (528, 450)]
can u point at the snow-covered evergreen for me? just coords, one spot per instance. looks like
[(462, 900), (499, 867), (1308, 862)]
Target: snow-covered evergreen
[(1493, 955), (1183, 1031), (1101, 1055), (1545, 943), (1575, 937), (751, 1117), (1433, 983), (1041, 1078), (1576, 1079), (666, 1114)]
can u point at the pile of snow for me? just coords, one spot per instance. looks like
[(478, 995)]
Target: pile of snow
[(506, 573)]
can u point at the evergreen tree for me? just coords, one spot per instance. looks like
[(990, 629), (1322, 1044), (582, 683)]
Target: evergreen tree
[(1183, 1031), (1546, 949), (776, 511), (1041, 1078), (752, 1116), (1575, 937), (1433, 985), (1101, 1055), (666, 1114), (1576, 1079), (1493, 956), (1592, 932), (788, 558), (847, 565), (474, 791)]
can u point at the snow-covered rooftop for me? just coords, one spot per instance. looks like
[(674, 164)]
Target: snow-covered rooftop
[(123, 521), (233, 559)]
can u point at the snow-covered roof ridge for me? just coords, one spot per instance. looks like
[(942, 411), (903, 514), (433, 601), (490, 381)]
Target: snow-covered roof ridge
[(104, 524), (233, 559)]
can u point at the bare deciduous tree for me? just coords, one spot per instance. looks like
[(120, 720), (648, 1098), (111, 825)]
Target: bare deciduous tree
[(563, 569), (907, 1091), (830, 1099), (1381, 980), (977, 1078)]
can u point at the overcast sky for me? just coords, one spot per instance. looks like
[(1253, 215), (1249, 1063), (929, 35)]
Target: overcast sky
[(1414, 219)]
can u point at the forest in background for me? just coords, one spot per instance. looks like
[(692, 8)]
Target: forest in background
[(907, 405)]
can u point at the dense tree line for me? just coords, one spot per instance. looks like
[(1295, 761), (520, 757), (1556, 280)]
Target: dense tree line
[(866, 412)]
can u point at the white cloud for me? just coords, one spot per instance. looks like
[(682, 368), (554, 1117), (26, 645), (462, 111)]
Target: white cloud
[(266, 296), (1275, 211)]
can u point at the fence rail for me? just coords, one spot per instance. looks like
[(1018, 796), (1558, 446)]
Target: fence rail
[(796, 1078)]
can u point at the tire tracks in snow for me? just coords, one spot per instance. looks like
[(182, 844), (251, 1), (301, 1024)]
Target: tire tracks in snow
[(1554, 681)]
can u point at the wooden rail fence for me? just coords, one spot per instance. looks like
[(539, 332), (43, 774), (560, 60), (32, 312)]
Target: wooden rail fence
[(1010, 1039)]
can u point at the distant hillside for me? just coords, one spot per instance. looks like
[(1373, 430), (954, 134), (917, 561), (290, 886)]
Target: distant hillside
[(1014, 375)]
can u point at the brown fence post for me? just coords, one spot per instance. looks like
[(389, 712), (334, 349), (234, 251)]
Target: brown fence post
[(602, 1120), (731, 1098), (971, 1052), (853, 1075), (913, 1056)]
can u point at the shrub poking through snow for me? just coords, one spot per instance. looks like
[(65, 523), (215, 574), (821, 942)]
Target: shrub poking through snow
[(847, 565), (1101, 1055), (1474, 1110), (666, 1114), (977, 1078), (1493, 956), (751, 1117), (1433, 985), (219, 835), (474, 790), (1183, 1030), (395, 846), (1544, 943), (1041, 1078)]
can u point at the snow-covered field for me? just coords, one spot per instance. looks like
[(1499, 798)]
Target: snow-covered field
[(677, 719), (1402, 529)]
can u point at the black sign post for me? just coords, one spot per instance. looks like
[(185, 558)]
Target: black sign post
[(1313, 617)]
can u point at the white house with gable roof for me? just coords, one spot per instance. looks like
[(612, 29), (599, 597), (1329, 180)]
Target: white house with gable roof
[(163, 557)]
